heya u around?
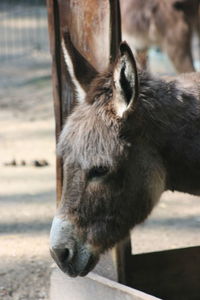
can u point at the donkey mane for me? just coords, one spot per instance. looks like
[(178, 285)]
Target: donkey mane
[(167, 104), (156, 99)]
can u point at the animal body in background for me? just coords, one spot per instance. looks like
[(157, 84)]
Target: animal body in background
[(169, 24)]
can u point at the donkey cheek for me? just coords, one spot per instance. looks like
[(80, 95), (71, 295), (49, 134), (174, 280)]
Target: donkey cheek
[(104, 235)]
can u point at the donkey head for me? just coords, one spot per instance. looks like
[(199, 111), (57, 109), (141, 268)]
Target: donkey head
[(108, 166)]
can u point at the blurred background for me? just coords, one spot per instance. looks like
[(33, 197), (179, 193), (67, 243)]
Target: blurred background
[(27, 190), (27, 159)]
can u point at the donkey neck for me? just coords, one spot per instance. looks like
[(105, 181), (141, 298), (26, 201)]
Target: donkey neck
[(167, 107), (171, 120)]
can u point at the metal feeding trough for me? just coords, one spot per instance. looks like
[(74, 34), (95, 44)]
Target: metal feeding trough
[(94, 27)]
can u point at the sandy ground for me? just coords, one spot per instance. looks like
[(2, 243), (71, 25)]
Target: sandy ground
[(27, 193)]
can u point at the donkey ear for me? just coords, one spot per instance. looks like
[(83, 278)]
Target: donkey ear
[(80, 70), (125, 80)]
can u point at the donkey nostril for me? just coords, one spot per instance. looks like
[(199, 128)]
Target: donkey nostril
[(63, 254), (60, 255)]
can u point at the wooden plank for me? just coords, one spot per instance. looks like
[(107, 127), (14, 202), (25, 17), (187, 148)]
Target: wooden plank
[(123, 254), (91, 287), (170, 275), (115, 29), (88, 24), (54, 38)]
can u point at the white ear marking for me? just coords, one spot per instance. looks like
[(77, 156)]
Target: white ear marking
[(80, 93), (124, 69)]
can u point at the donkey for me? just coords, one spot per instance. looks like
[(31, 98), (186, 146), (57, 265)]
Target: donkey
[(168, 24), (130, 137)]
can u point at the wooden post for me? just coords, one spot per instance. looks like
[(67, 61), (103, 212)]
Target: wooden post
[(54, 37), (95, 30)]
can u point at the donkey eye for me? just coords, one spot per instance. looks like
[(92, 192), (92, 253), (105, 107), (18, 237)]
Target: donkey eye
[(97, 172)]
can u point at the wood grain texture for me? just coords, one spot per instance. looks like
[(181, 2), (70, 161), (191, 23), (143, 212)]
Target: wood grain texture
[(88, 24), (54, 38)]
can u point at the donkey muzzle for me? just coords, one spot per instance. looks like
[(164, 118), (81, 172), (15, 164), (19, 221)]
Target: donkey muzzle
[(71, 256)]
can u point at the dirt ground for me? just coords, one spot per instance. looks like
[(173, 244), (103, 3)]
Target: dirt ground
[(27, 193)]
